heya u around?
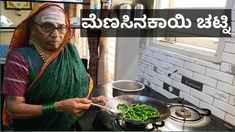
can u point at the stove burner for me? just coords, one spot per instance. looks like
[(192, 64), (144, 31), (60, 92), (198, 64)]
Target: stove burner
[(123, 125), (185, 113), (182, 112)]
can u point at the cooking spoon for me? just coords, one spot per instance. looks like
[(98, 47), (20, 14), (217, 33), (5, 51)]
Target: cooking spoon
[(111, 111)]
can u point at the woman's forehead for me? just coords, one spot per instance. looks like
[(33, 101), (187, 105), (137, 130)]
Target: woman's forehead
[(52, 15)]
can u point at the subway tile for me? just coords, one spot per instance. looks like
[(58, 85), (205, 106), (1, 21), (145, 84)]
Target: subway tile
[(230, 89), (175, 61), (216, 93), (207, 64), (204, 79), (181, 86), (185, 58), (176, 77), (227, 57), (157, 82), (150, 60), (151, 72), (146, 76), (230, 118), (159, 56), (165, 65), (220, 75), (230, 40), (169, 53), (232, 100), (190, 98), (160, 70), (225, 67), (224, 106), (147, 52), (229, 47), (141, 68), (215, 111), (201, 96), (162, 91), (195, 67), (164, 79), (154, 50), (183, 71)]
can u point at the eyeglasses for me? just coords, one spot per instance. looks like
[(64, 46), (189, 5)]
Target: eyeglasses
[(49, 28)]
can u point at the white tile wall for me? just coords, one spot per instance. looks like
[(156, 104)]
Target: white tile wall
[(229, 47), (181, 86), (226, 87), (157, 82), (207, 64), (230, 118), (232, 100), (215, 111), (175, 61), (176, 77), (224, 106), (204, 79), (164, 78), (151, 72), (190, 98), (219, 75), (216, 93), (195, 67), (160, 70), (183, 71), (165, 65), (159, 56), (227, 57), (225, 67), (202, 96), (185, 58)]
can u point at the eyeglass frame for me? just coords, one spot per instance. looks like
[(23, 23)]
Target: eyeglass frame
[(57, 28)]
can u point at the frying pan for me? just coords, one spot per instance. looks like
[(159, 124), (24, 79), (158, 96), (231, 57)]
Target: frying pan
[(133, 99)]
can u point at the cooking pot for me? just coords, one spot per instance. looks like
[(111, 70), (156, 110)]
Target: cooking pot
[(133, 99)]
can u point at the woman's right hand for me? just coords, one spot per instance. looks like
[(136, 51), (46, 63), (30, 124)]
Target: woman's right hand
[(73, 106)]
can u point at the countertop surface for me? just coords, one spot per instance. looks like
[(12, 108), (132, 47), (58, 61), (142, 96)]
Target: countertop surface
[(107, 91)]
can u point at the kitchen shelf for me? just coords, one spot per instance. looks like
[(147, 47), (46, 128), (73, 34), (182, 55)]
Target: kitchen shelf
[(55, 1)]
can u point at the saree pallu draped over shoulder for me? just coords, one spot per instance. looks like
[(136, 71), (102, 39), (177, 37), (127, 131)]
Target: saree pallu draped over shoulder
[(64, 78)]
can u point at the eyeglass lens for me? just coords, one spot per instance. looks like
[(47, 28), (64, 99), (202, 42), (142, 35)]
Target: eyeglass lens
[(48, 28)]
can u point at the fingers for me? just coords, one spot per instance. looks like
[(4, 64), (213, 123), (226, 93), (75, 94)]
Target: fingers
[(82, 106), (100, 100), (83, 100)]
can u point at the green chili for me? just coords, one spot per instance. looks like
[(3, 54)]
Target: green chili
[(138, 112)]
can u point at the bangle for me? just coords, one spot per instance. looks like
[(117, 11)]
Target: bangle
[(48, 108)]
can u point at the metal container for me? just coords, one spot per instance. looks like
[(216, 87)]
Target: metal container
[(128, 85), (139, 6), (139, 10), (125, 6)]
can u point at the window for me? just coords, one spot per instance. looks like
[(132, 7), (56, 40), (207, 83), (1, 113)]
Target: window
[(207, 48)]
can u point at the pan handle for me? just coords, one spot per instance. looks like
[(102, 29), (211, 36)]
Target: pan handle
[(205, 112), (159, 125)]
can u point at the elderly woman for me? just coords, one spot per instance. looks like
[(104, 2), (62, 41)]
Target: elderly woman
[(46, 86)]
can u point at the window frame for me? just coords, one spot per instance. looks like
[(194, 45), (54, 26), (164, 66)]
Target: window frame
[(200, 54)]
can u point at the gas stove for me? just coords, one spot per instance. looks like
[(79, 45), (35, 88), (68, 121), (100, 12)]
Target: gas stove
[(184, 116)]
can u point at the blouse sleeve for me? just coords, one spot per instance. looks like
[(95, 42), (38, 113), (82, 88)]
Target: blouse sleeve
[(15, 81)]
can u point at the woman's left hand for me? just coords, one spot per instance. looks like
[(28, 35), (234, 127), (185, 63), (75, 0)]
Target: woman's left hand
[(102, 100)]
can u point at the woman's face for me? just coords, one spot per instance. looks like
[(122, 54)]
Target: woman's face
[(49, 28)]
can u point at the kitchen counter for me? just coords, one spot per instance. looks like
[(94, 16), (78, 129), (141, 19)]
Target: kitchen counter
[(107, 91)]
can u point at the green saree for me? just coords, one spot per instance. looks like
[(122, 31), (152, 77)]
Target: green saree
[(64, 78)]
